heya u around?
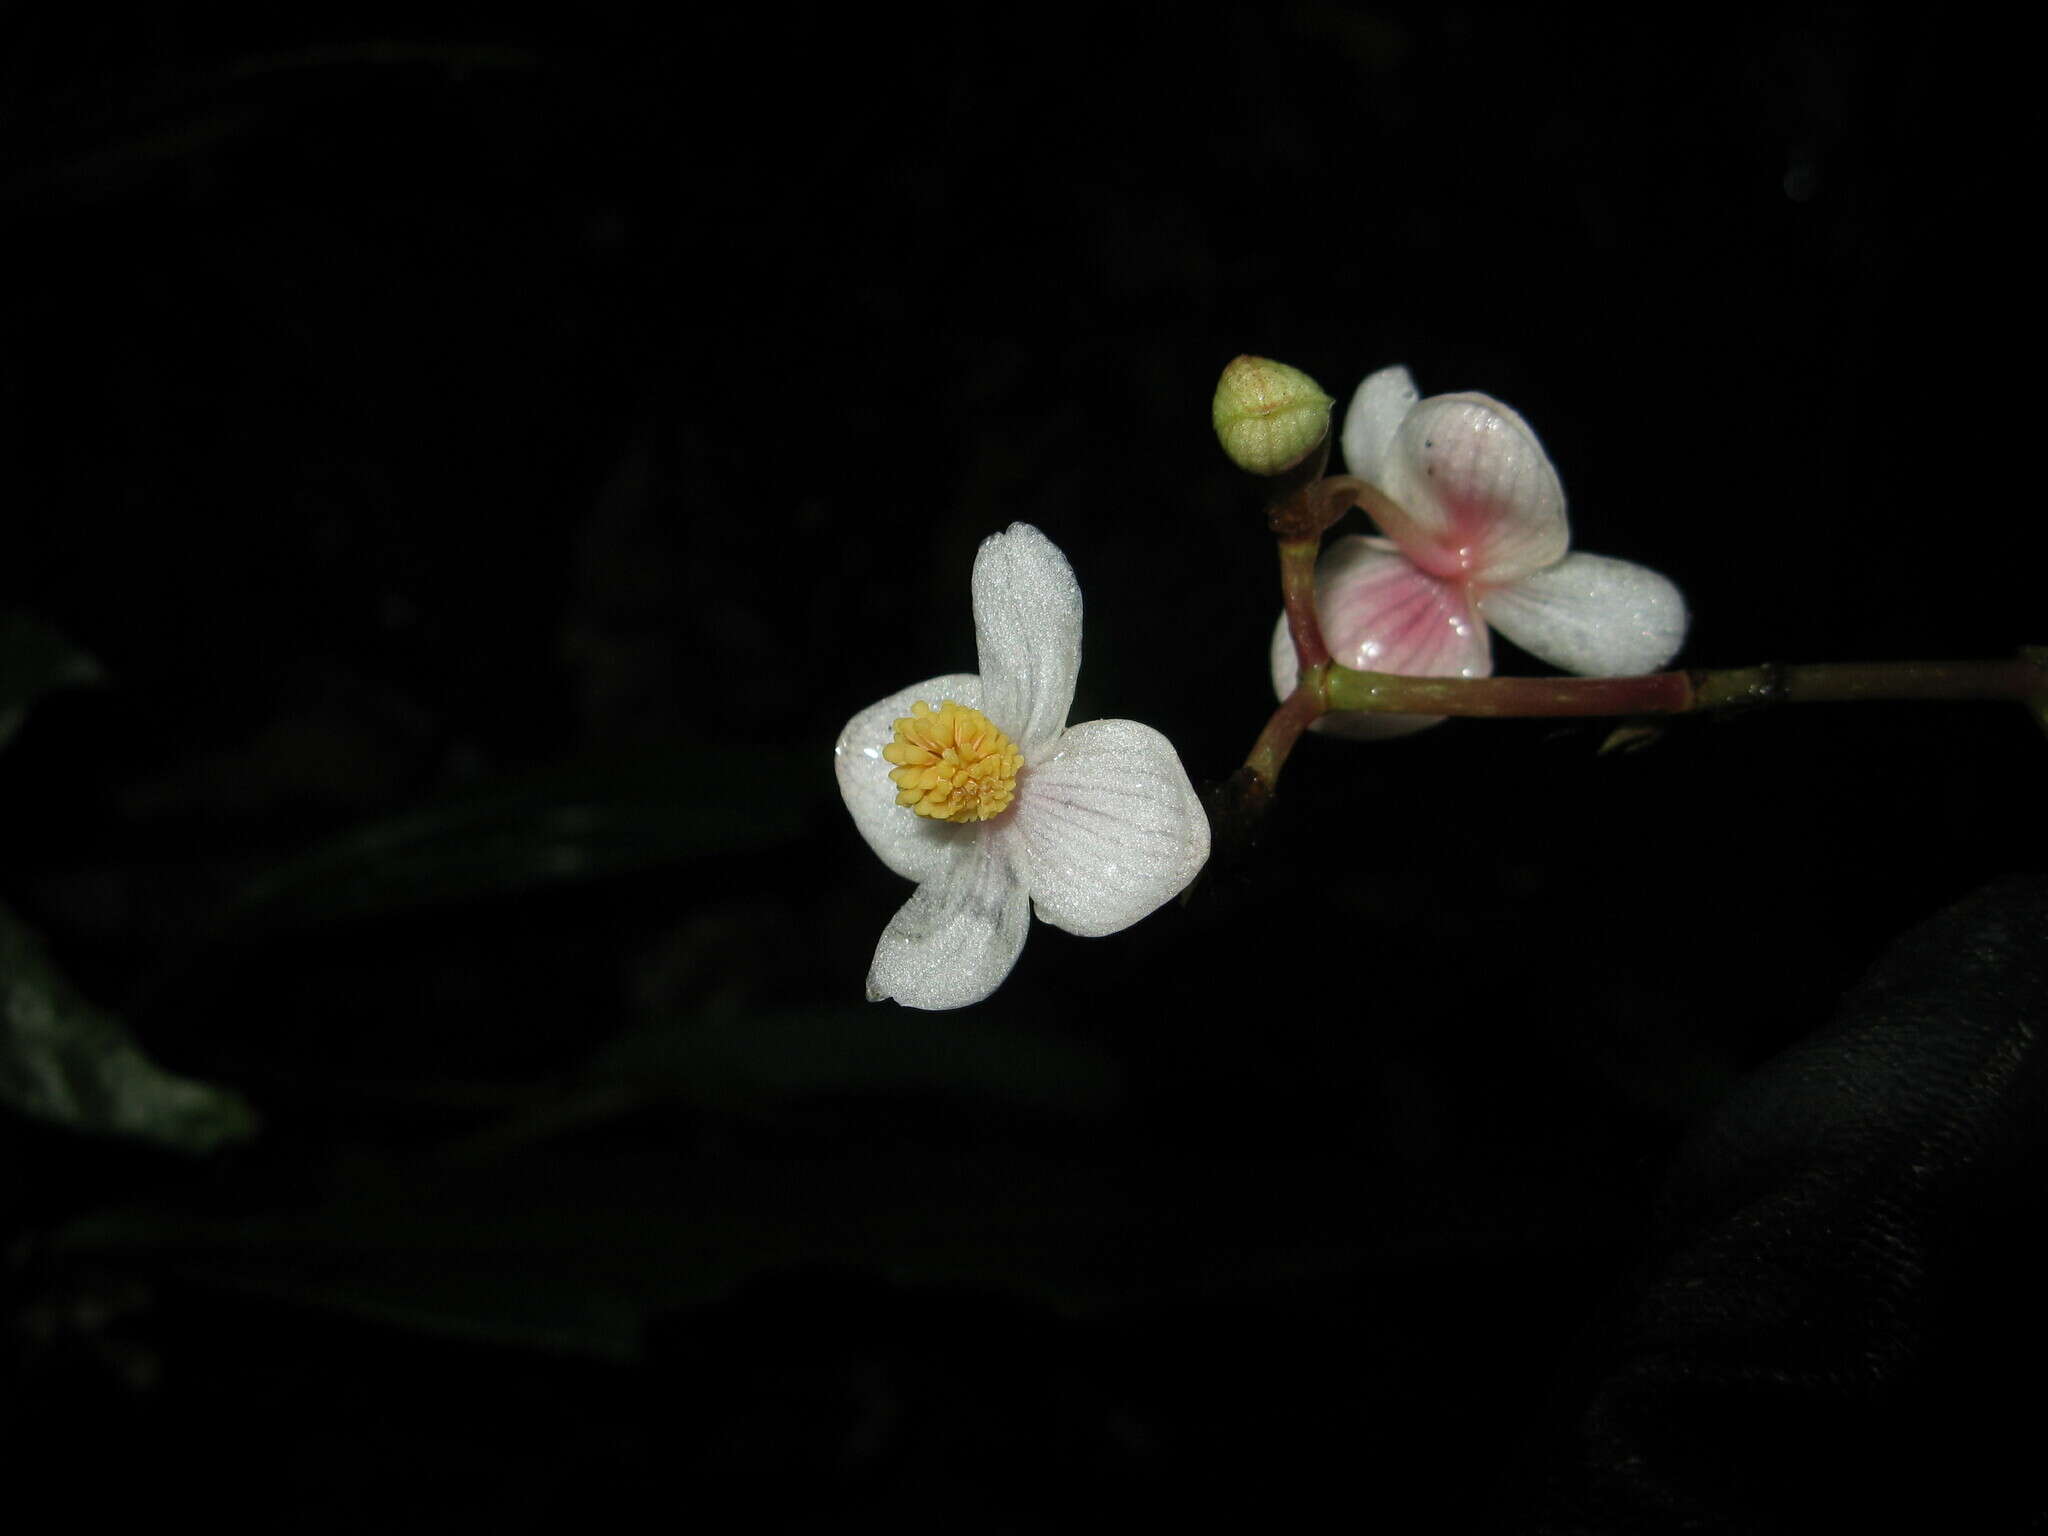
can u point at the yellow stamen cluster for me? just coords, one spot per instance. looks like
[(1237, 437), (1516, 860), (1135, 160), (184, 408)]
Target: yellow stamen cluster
[(953, 763)]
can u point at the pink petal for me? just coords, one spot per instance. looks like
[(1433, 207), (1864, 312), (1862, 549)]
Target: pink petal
[(1476, 498), (1381, 613)]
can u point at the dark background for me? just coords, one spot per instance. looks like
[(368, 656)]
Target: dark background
[(490, 465)]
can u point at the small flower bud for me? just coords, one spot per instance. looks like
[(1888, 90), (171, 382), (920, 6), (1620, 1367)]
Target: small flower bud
[(1269, 417)]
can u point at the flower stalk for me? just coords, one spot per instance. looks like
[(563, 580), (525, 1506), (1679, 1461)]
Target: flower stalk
[(1298, 594), (1327, 686), (2022, 679), (2019, 680), (1299, 518), (1284, 728), (1658, 693)]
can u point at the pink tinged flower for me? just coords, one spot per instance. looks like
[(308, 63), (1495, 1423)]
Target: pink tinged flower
[(1475, 537), (975, 786)]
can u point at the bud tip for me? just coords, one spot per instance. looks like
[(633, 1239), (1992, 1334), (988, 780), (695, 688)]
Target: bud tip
[(1268, 416)]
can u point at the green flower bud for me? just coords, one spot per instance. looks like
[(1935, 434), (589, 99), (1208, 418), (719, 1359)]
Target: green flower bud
[(1269, 417)]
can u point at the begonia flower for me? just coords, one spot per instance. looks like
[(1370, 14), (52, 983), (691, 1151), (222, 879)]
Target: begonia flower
[(974, 786), (1475, 536)]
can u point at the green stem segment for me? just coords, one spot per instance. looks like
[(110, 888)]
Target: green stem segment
[(1299, 514), (1298, 593), (1660, 693), (1283, 730), (2023, 679), (1678, 693), (1326, 686)]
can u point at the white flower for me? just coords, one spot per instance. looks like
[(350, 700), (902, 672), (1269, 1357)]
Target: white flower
[(994, 805), (1476, 536)]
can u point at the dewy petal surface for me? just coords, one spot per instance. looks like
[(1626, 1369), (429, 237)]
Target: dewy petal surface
[(916, 847), (1476, 496), (1592, 615), (1380, 613), (1027, 625), (954, 941), (1373, 418), (1107, 828)]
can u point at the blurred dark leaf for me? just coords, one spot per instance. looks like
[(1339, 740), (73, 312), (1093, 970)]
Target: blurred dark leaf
[(731, 1055), (35, 659), (1843, 1242), (580, 821), (68, 1062), (575, 1249)]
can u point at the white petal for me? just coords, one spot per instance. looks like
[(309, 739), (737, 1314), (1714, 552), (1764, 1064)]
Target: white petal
[(915, 846), (1592, 615), (954, 941), (1107, 828), (1286, 665), (1476, 495), (1375, 415), (1027, 624), (1380, 613)]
